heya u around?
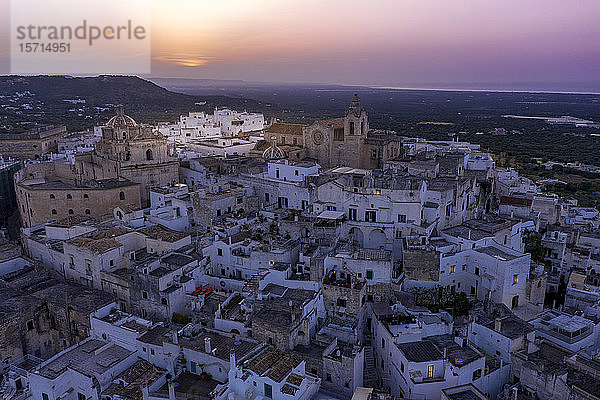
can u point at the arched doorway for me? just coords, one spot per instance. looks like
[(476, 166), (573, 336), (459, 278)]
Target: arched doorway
[(356, 235), (376, 239)]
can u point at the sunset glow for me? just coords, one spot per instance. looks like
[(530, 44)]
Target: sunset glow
[(377, 42)]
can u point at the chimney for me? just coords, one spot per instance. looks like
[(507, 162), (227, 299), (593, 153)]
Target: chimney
[(292, 310), (171, 390), (497, 325), (207, 345), (232, 362)]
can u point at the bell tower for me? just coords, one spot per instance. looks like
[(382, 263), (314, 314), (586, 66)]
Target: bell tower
[(356, 122)]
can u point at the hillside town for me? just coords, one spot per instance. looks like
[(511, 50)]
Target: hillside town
[(227, 256)]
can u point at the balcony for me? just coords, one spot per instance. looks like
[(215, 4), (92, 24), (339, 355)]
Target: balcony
[(334, 279)]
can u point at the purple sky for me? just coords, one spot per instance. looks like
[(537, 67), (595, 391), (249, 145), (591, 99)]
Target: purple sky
[(379, 42), (403, 43)]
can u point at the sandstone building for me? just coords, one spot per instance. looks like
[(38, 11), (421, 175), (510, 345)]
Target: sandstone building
[(32, 144), (345, 141), (125, 164)]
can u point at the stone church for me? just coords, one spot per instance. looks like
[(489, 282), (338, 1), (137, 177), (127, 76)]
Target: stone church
[(142, 156), (127, 161), (346, 141), (338, 141)]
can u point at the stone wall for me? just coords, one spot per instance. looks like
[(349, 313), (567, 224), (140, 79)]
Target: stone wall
[(422, 265), (39, 204)]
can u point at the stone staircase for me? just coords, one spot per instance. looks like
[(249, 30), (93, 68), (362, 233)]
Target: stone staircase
[(370, 372), (251, 285)]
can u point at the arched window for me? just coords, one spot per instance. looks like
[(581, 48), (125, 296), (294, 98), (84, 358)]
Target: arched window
[(119, 215), (122, 196), (87, 211), (53, 212), (52, 196), (149, 155), (69, 197), (85, 196), (163, 301), (70, 211)]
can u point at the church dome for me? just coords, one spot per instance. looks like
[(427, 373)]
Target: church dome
[(273, 152), (121, 120)]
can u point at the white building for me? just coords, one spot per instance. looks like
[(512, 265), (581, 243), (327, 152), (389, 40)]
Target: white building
[(81, 371), (571, 332), (273, 374), (234, 123)]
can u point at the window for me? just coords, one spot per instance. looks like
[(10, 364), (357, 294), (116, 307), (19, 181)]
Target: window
[(452, 268), (149, 155), (382, 343), (52, 196), (266, 197), (268, 391), (80, 396), (152, 351), (220, 252), (338, 134), (369, 274), (163, 301), (45, 396), (85, 196), (352, 214), (277, 173), (430, 371), (351, 128), (341, 302), (144, 294), (30, 325), (296, 172), (121, 195), (53, 212), (370, 216), (515, 302), (87, 211), (70, 211), (328, 378), (476, 374), (515, 279), (373, 154), (402, 218), (477, 271), (69, 197)]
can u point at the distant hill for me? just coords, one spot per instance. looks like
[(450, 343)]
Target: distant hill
[(82, 102)]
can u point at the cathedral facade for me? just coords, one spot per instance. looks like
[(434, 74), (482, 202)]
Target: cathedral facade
[(338, 141)]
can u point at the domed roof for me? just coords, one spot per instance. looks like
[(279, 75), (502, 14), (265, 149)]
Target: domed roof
[(273, 152), (121, 120)]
